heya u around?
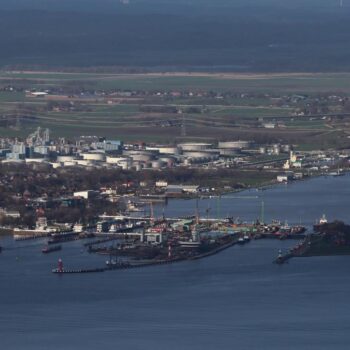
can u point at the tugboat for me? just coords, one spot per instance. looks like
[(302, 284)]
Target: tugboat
[(47, 249)]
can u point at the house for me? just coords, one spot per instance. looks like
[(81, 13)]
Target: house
[(285, 177), (161, 183), (86, 194)]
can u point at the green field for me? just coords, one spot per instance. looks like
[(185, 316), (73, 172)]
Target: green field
[(280, 83), (125, 117)]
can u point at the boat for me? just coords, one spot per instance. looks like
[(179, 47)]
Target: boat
[(323, 220), (337, 173), (246, 238), (241, 240), (78, 228), (51, 249), (279, 260), (113, 228), (320, 222), (115, 263)]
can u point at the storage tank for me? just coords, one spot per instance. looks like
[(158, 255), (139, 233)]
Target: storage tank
[(83, 162), (55, 165), (72, 163), (199, 154), (138, 166), (229, 152), (141, 157), (99, 157), (262, 150), (168, 150), (35, 160), (276, 149), (163, 149), (65, 159), (168, 161), (125, 164), (130, 152), (235, 144), (194, 146), (115, 160), (286, 148), (157, 164)]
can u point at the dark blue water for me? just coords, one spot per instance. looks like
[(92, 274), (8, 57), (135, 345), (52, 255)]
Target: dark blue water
[(235, 300)]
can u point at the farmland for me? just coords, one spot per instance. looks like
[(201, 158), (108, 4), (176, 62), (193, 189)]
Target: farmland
[(168, 106)]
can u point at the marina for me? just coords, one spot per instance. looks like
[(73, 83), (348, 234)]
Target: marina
[(214, 291)]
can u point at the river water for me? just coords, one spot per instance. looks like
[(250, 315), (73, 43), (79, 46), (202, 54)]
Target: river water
[(237, 299)]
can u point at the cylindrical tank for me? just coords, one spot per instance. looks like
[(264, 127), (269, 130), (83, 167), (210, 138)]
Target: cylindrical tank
[(141, 157), (115, 160), (163, 149), (198, 154), (194, 146), (35, 160), (72, 163), (262, 150), (84, 162), (137, 166), (65, 158), (286, 148), (100, 157), (235, 144), (129, 152), (276, 149), (229, 152), (168, 161), (125, 163), (157, 164), (168, 150)]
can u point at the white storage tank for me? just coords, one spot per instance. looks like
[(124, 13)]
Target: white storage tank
[(84, 162), (276, 149), (35, 160), (63, 159), (228, 152), (72, 163), (235, 144), (157, 164), (286, 148), (115, 160), (99, 157), (125, 164), (164, 149), (194, 146), (141, 157), (197, 154), (138, 166)]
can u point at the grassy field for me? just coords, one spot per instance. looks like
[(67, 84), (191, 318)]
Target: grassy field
[(124, 118), (265, 83)]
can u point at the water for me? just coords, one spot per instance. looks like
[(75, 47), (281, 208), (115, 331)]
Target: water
[(237, 299)]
